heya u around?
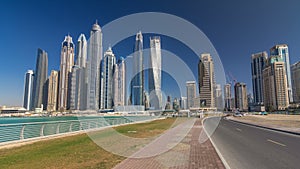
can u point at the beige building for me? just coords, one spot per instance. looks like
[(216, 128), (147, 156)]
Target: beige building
[(206, 81), (295, 69), (275, 85), (227, 96), (66, 64), (240, 92), (52, 91)]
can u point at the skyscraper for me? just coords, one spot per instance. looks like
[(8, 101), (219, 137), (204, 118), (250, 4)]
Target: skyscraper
[(75, 88), (227, 96), (78, 78), (119, 83), (155, 73), (109, 62), (275, 84), (206, 81), (52, 91), (240, 92), (182, 103), (191, 93), (81, 51), (296, 81), (28, 84), (283, 52), (137, 87), (66, 64), (258, 61), (218, 97), (94, 57), (40, 78)]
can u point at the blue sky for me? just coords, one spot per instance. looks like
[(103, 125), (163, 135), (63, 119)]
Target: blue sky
[(236, 28)]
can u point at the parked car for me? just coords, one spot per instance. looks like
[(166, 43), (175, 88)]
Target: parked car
[(238, 115), (264, 113)]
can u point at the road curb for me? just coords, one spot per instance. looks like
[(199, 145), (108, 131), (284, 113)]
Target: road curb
[(264, 127), (216, 148)]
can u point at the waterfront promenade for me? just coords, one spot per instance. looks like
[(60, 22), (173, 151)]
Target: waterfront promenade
[(180, 146), (189, 153)]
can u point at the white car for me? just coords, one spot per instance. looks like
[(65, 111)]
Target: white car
[(238, 115)]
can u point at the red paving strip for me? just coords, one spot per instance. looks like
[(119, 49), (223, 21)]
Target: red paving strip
[(188, 154)]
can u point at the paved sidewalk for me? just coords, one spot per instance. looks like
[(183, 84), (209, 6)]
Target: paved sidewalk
[(189, 153)]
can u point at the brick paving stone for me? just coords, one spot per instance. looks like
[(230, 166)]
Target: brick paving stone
[(190, 153)]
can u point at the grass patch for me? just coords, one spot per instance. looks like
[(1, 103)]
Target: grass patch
[(146, 130), (77, 151)]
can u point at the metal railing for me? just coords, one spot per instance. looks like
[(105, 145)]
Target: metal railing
[(22, 131)]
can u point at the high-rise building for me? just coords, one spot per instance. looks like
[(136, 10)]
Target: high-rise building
[(218, 97), (190, 93), (75, 88), (155, 73), (119, 83), (81, 51), (28, 84), (275, 84), (258, 62), (109, 62), (66, 64), (240, 92), (94, 57), (40, 78), (232, 103), (137, 88), (146, 100), (183, 103), (227, 96), (206, 81), (296, 81), (52, 91), (283, 52), (78, 77), (168, 105), (176, 104)]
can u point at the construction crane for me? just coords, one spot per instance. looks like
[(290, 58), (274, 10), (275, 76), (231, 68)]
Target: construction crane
[(233, 79)]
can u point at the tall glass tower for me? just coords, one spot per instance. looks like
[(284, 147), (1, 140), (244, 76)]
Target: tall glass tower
[(78, 79), (137, 87), (93, 67), (283, 52), (190, 93), (66, 64), (28, 89), (258, 62), (120, 83), (155, 73), (39, 96), (109, 62)]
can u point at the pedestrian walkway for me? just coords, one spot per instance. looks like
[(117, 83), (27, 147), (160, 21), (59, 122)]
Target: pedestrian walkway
[(189, 153)]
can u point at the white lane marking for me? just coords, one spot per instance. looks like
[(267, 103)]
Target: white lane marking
[(215, 146), (275, 142), (238, 129)]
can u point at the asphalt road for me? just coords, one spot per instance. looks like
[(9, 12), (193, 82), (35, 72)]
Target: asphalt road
[(247, 147)]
